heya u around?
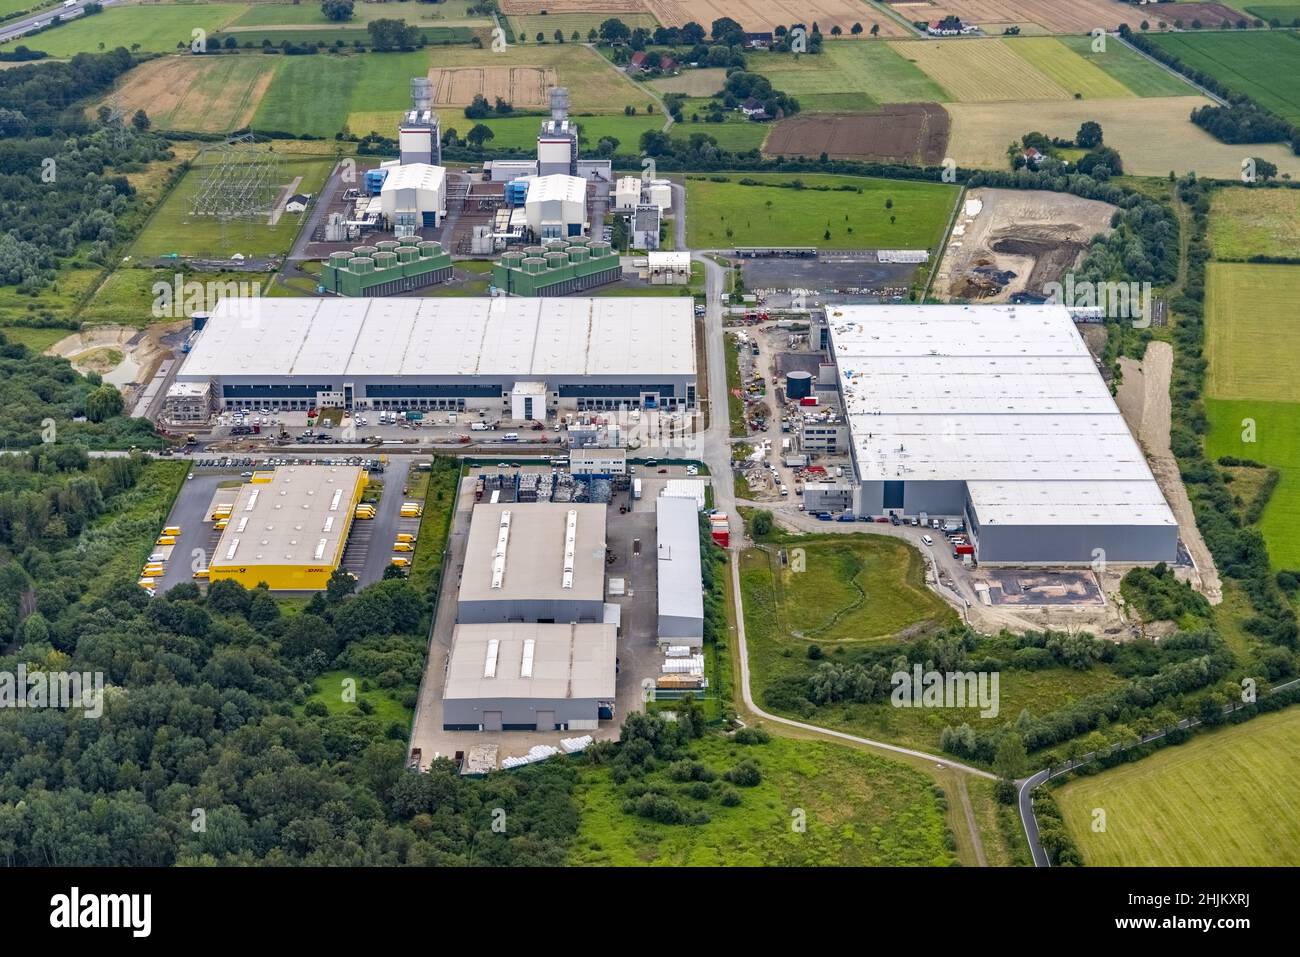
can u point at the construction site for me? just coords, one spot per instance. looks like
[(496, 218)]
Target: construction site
[(1007, 245)]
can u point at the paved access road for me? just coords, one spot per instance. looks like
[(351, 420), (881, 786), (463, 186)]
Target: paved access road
[(17, 28)]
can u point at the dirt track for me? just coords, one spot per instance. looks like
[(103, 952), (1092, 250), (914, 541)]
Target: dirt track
[(1143, 398)]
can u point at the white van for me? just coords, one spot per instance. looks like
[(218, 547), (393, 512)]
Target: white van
[(510, 437), (785, 491), (927, 539)]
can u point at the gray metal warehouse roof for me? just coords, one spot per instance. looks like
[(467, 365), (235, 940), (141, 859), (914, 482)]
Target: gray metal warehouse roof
[(528, 660), (521, 551), (681, 583), (1006, 398), (439, 336)]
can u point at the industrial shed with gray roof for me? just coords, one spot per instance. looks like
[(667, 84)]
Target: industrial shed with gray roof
[(514, 676), (681, 581), (535, 562)]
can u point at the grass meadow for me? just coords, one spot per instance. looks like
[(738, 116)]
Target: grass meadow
[(857, 212), (1227, 798), (861, 810)]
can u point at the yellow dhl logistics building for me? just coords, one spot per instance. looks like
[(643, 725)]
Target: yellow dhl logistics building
[(288, 528)]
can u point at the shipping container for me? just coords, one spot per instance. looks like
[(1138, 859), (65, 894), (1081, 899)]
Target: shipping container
[(808, 400)]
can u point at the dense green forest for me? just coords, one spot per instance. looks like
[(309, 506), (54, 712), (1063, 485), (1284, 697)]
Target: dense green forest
[(208, 750), (46, 402), (62, 185)]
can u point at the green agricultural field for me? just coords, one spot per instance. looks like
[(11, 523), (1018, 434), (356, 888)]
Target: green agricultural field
[(317, 95), (157, 29), (1263, 64), (1255, 222), (1253, 332), (310, 94), (1288, 14), (9, 7), (1276, 443), (127, 295), (736, 133), (1130, 68), (861, 810), (724, 215), (1253, 402), (1227, 798), (782, 622), (36, 338), (174, 229), (309, 14), (1060, 64), (845, 76), (331, 34)]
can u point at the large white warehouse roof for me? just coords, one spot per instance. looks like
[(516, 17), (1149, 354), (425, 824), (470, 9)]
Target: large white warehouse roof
[(1005, 398), (445, 337)]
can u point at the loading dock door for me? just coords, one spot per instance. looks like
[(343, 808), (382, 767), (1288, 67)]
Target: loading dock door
[(491, 720), (546, 721)]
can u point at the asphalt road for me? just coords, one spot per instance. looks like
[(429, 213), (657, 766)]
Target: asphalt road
[(369, 550), (18, 28), (190, 513)]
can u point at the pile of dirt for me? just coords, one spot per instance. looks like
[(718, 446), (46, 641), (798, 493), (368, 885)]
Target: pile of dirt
[(1012, 243)]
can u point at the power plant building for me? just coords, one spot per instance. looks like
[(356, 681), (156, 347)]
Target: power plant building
[(556, 206), (996, 416), (447, 353), (419, 138), (414, 197), (558, 268), (557, 143)]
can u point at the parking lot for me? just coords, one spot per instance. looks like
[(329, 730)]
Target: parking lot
[(218, 478)]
